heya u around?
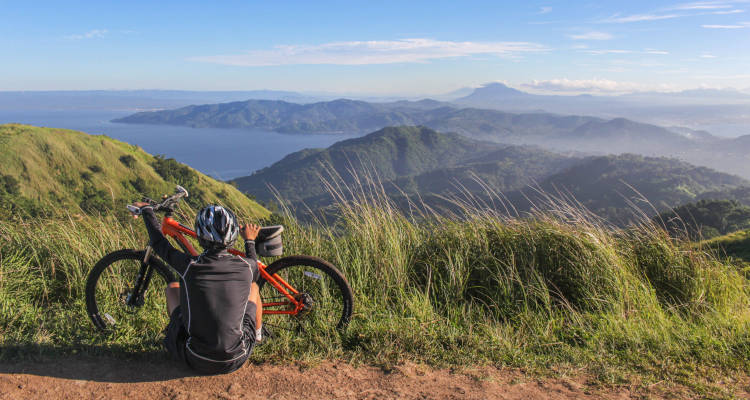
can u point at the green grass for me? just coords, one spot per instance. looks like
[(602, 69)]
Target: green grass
[(57, 171), (735, 246), (555, 291)]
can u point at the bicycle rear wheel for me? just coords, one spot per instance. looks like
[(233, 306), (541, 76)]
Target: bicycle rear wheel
[(114, 304), (322, 288)]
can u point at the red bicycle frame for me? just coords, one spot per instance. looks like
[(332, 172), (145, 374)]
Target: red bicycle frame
[(176, 230)]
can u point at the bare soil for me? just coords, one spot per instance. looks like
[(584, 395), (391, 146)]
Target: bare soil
[(111, 378)]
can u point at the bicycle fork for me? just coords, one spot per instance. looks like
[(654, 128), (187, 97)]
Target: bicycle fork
[(136, 298)]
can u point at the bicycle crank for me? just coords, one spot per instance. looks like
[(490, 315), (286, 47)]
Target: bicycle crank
[(307, 303)]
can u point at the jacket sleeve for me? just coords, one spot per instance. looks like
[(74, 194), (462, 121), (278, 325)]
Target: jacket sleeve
[(250, 250), (253, 257), (177, 259)]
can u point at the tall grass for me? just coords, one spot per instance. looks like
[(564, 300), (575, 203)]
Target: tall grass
[(552, 289)]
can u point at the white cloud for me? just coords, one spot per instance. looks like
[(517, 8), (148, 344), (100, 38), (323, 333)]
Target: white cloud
[(681, 10), (592, 36), (707, 56), (595, 85), (598, 52), (735, 11), (608, 51), (703, 5), (617, 19), (92, 34), (545, 10), (371, 52), (655, 51)]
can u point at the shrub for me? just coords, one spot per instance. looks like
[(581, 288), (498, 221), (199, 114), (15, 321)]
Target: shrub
[(128, 160), (9, 185), (95, 200)]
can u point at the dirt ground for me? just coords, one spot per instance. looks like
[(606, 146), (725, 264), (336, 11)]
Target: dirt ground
[(108, 378)]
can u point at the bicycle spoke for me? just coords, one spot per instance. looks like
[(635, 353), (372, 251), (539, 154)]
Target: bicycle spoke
[(122, 309), (319, 296)]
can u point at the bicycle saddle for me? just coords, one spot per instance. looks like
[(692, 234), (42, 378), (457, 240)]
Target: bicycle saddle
[(269, 232)]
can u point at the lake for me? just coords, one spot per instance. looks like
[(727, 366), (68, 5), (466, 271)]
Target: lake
[(221, 153)]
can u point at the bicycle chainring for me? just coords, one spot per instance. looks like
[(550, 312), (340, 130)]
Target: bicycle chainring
[(307, 303)]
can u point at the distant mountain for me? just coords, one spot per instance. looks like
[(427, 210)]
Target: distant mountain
[(422, 163), (607, 185), (494, 92), (719, 111), (499, 95), (551, 131), (569, 132), (323, 117), (387, 154), (701, 95), (48, 171)]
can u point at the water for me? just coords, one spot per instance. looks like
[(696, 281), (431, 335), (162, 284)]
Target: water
[(221, 153)]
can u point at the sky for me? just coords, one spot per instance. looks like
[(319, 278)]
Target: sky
[(375, 47)]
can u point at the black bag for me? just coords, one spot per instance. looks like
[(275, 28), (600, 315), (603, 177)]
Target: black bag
[(268, 243)]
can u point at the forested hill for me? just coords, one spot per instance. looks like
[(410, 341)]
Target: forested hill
[(419, 161), (387, 154), (353, 116), (610, 186), (327, 117), (58, 171)]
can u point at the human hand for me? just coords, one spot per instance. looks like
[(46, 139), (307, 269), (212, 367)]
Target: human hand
[(135, 208), (249, 231)]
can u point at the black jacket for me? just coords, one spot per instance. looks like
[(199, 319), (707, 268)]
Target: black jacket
[(214, 292)]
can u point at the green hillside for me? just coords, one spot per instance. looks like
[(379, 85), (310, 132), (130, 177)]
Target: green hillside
[(388, 154), (507, 169), (52, 171), (735, 245), (611, 186), (705, 219), (428, 165)]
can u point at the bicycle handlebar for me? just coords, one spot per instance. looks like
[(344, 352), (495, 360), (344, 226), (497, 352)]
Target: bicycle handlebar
[(167, 204)]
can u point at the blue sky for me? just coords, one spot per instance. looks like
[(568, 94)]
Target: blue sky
[(375, 47)]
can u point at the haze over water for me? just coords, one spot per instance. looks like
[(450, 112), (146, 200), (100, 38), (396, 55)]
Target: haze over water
[(220, 153)]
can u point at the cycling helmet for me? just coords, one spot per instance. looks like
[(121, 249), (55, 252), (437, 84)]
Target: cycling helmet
[(216, 226)]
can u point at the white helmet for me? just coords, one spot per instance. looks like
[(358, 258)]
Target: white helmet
[(216, 226)]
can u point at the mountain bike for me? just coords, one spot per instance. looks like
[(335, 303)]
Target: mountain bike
[(125, 289)]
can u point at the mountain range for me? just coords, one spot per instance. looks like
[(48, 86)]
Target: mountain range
[(554, 132), (421, 162)]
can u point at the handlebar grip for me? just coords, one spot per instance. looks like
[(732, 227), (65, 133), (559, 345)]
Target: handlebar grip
[(133, 209)]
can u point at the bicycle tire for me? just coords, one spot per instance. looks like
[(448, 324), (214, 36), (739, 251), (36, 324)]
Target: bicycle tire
[(101, 318), (284, 266)]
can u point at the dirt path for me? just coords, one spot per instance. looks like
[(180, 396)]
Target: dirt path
[(104, 378)]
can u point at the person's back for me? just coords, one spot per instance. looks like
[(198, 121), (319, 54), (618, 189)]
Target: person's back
[(214, 304), (215, 309)]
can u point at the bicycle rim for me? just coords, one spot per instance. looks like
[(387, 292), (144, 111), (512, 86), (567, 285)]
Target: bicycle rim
[(327, 300), (113, 288)]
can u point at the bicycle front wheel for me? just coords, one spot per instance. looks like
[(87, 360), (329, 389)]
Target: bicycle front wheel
[(126, 296), (322, 288)]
